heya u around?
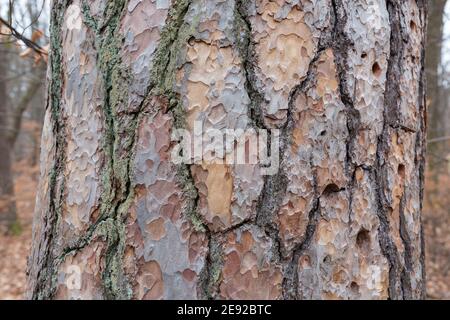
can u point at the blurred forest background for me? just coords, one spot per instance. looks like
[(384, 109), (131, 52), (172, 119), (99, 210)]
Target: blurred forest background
[(23, 63)]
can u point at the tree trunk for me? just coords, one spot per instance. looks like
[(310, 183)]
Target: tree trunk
[(7, 200), (437, 99), (340, 82)]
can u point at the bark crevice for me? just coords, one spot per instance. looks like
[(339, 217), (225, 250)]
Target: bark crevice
[(42, 273)]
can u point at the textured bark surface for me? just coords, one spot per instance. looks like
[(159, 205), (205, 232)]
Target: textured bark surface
[(436, 96), (342, 80)]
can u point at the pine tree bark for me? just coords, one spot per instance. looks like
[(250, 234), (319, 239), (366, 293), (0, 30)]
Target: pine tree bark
[(343, 81)]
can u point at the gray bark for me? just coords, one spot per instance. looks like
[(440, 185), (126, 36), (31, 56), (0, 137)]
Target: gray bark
[(437, 97), (342, 80)]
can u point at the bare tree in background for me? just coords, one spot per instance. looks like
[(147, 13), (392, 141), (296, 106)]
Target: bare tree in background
[(437, 95), (343, 81)]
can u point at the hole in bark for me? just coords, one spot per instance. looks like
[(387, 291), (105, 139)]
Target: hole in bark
[(363, 240), (413, 26), (401, 171), (376, 69), (354, 287), (331, 188), (324, 132), (290, 205), (364, 55)]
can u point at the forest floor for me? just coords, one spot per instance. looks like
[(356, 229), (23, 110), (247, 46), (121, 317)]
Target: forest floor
[(14, 249)]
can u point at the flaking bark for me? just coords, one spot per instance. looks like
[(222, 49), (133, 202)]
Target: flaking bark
[(342, 80)]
